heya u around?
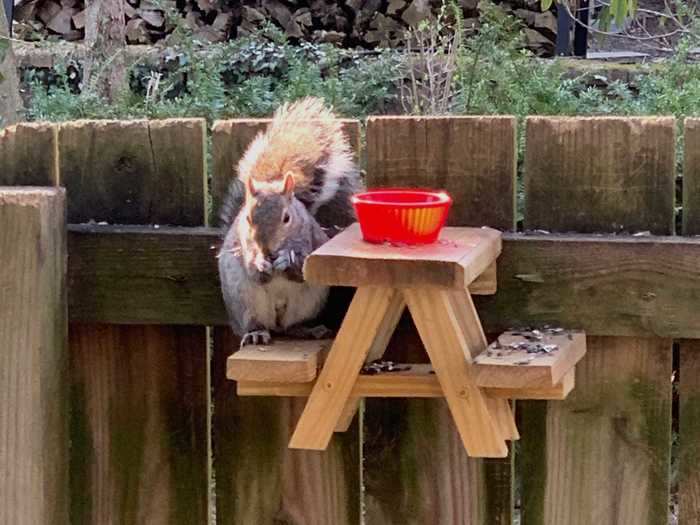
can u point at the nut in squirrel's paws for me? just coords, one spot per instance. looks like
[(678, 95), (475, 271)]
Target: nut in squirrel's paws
[(285, 259), (256, 337)]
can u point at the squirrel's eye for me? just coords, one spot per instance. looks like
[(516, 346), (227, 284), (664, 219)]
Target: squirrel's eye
[(249, 219), (286, 218)]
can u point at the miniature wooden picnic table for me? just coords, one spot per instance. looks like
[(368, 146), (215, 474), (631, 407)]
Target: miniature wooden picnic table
[(435, 282)]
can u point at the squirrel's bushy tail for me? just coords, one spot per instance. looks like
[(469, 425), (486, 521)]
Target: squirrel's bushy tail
[(232, 203)]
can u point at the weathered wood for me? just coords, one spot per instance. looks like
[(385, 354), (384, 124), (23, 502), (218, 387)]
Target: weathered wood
[(134, 172), (138, 424), (299, 486), (472, 158), (286, 361), (689, 373), (455, 262), (370, 316), (28, 155), (578, 455), (139, 393), (691, 177), (604, 175), (505, 367), (600, 174), (689, 434), (135, 275), (33, 357), (418, 382), (169, 275), (258, 478), (230, 139), (402, 440), (475, 160)]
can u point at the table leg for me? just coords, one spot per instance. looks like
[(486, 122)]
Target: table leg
[(370, 316), (469, 322), (438, 324), (348, 414)]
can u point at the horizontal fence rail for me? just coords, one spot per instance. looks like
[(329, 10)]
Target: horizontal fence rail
[(169, 276)]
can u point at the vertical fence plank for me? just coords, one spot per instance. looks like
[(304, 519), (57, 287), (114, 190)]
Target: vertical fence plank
[(28, 155), (33, 357), (601, 456), (689, 391), (258, 478), (415, 468), (139, 393), (689, 434)]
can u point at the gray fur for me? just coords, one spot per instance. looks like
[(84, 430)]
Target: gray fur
[(271, 299)]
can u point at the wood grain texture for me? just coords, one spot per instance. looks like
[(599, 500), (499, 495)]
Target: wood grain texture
[(468, 320), (689, 379), (138, 425), (134, 172), (33, 358), (286, 361), (689, 438), (142, 275), (399, 448), (459, 258), (230, 139), (435, 318), (602, 456), (130, 379), (419, 381), (28, 155), (472, 158), (691, 177), (602, 175), (502, 366), (259, 480)]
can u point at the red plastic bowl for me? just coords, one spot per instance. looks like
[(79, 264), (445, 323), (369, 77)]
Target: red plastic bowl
[(402, 215)]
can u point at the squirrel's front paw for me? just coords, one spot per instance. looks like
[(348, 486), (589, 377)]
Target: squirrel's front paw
[(256, 337), (263, 266), (260, 271)]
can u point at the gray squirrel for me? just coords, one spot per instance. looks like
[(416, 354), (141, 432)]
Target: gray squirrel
[(292, 193)]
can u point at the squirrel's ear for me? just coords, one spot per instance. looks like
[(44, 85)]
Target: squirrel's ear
[(289, 183), (250, 186)]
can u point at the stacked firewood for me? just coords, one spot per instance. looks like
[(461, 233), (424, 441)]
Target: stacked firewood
[(350, 23)]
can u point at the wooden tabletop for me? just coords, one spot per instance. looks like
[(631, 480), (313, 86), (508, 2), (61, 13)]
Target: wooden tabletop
[(453, 262)]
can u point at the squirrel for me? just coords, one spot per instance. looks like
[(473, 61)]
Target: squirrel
[(292, 193)]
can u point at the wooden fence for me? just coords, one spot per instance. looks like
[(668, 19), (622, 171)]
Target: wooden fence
[(132, 421)]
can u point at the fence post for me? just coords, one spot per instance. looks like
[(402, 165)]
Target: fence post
[(33, 357)]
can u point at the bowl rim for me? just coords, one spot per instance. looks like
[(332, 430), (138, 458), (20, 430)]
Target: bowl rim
[(443, 198)]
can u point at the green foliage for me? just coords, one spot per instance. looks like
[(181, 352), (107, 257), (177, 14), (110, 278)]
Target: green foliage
[(249, 76)]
